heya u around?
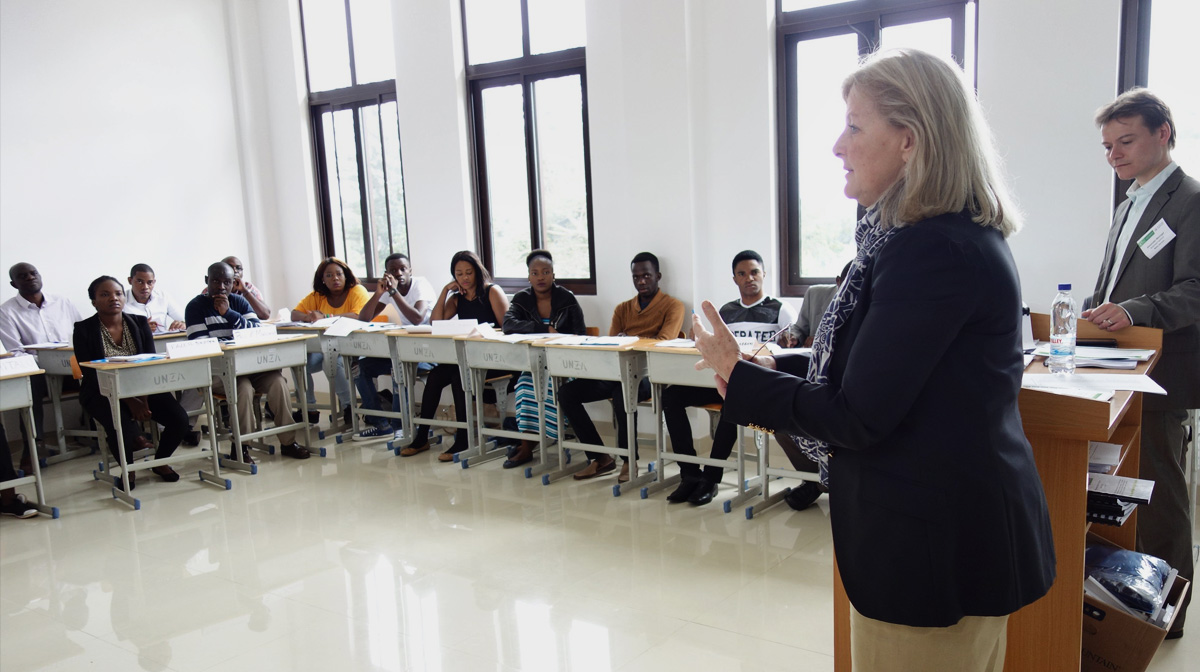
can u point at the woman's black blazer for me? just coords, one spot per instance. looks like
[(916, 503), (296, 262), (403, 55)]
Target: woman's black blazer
[(89, 346), (935, 502), (565, 313)]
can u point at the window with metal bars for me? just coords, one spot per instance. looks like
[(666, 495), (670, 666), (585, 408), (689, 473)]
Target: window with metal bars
[(350, 62)]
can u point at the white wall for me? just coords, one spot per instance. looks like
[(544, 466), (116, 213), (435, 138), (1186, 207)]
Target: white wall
[(1044, 69), (118, 142), (176, 132), (431, 104)]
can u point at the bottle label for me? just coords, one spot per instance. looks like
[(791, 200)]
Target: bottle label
[(1062, 345)]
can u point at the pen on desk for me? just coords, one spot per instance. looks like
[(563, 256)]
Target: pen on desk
[(769, 340)]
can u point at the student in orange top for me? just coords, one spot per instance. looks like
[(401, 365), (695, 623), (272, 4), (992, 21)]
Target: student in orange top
[(335, 292)]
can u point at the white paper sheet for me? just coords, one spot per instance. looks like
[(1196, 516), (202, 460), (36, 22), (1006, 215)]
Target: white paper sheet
[(1091, 382)]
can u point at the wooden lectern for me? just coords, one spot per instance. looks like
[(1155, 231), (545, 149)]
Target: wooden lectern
[(1047, 635)]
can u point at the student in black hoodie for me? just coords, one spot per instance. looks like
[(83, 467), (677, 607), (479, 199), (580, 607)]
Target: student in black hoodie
[(541, 308)]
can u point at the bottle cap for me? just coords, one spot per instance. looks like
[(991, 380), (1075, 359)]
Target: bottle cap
[(1064, 287)]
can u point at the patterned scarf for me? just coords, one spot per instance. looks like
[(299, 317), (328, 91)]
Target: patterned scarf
[(869, 238)]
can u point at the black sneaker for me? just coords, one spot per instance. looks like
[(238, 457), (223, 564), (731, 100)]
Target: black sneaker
[(191, 438), (802, 496), (18, 508)]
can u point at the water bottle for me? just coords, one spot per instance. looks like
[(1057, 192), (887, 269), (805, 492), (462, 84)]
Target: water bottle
[(1062, 331)]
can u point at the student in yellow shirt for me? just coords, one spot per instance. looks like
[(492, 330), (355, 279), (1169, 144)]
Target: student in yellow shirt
[(335, 292)]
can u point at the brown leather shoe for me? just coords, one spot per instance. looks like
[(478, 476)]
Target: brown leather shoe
[(409, 451), (596, 468)]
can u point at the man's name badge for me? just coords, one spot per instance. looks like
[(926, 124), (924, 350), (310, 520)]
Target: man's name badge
[(1156, 239)]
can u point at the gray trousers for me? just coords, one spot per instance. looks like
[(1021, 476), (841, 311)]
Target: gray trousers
[(1163, 529)]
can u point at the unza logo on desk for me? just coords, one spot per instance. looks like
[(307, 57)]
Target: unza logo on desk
[(423, 351), (171, 378), (495, 358), (572, 365), (268, 357)]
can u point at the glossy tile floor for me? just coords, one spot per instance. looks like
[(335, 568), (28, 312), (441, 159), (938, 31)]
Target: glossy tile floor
[(366, 561)]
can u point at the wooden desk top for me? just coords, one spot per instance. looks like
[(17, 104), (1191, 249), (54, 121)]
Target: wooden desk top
[(22, 374), (111, 366), (639, 344), (291, 338)]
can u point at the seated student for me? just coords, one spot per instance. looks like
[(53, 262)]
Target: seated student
[(34, 316), (816, 300), (470, 295), (11, 503), (216, 313), (154, 304), (335, 292), (111, 332), (650, 314), (412, 298), (243, 288), (755, 317), (541, 308), (144, 298)]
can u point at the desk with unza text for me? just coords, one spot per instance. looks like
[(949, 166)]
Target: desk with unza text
[(289, 352), (677, 366), (378, 344), (482, 355), (15, 395), (327, 346), (56, 362), (412, 349), (121, 380), (620, 363)]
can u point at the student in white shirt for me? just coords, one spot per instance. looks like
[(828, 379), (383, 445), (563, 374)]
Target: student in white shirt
[(412, 298), (143, 298), (33, 316)]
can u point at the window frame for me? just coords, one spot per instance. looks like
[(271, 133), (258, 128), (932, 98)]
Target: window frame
[(867, 19), (525, 70), (353, 97), (1134, 65)]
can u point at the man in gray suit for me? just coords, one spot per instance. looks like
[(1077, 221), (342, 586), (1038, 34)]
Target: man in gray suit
[(1151, 278), (816, 300)]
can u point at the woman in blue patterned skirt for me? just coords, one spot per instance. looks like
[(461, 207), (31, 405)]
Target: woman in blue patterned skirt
[(542, 308)]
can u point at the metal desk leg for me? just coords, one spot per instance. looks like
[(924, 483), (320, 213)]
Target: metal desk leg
[(548, 460), (214, 476), (234, 461), (31, 446), (747, 488), (301, 380), (629, 390), (764, 480), (565, 468), (661, 480), (122, 492)]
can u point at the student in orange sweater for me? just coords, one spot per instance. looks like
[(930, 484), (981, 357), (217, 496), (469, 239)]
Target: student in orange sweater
[(650, 314)]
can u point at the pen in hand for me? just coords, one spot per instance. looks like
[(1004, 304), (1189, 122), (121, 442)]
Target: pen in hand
[(764, 344)]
